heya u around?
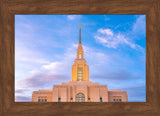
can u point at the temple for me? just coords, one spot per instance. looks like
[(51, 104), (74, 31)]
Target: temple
[(79, 89)]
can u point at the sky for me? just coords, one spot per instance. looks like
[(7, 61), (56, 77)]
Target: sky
[(114, 48)]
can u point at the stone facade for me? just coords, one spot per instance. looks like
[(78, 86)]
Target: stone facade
[(80, 89)]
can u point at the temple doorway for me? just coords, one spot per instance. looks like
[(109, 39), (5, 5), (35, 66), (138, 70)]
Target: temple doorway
[(80, 97)]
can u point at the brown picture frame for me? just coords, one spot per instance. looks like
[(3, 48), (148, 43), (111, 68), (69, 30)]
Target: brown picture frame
[(151, 8)]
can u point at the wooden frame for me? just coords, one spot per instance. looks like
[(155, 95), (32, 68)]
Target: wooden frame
[(11, 7)]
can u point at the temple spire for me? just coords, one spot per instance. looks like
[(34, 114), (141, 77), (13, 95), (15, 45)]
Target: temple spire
[(80, 48), (80, 34)]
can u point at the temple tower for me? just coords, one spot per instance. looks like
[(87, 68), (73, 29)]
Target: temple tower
[(80, 69)]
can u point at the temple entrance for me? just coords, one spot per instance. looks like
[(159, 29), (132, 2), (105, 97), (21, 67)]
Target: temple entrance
[(80, 97)]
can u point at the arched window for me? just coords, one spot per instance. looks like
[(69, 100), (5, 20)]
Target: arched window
[(59, 99), (100, 99), (117, 98), (80, 53), (80, 74), (80, 97)]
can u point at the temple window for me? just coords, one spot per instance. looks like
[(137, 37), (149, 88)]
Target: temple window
[(45, 100), (71, 99), (80, 54), (117, 99), (100, 99), (89, 99), (59, 99), (80, 74), (39, 100)]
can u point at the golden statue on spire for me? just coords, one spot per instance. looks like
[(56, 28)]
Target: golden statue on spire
[(79, 26)]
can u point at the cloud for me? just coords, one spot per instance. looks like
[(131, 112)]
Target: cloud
[(23, 94), (23, 99), (19, 91), (27, 60), (136, 93), (135, 88), (117, 75), (139, 27), (38, 80), (54, 72), (73, 17), (52, 66), (113, 40), (106, 31), (33, 60), (101, 39), (44, 77)]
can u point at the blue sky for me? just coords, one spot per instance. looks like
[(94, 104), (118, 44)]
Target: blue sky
[(114, 47)]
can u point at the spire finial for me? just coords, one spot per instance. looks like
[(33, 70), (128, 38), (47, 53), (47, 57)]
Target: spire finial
[(79, 33), (79, 26)]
